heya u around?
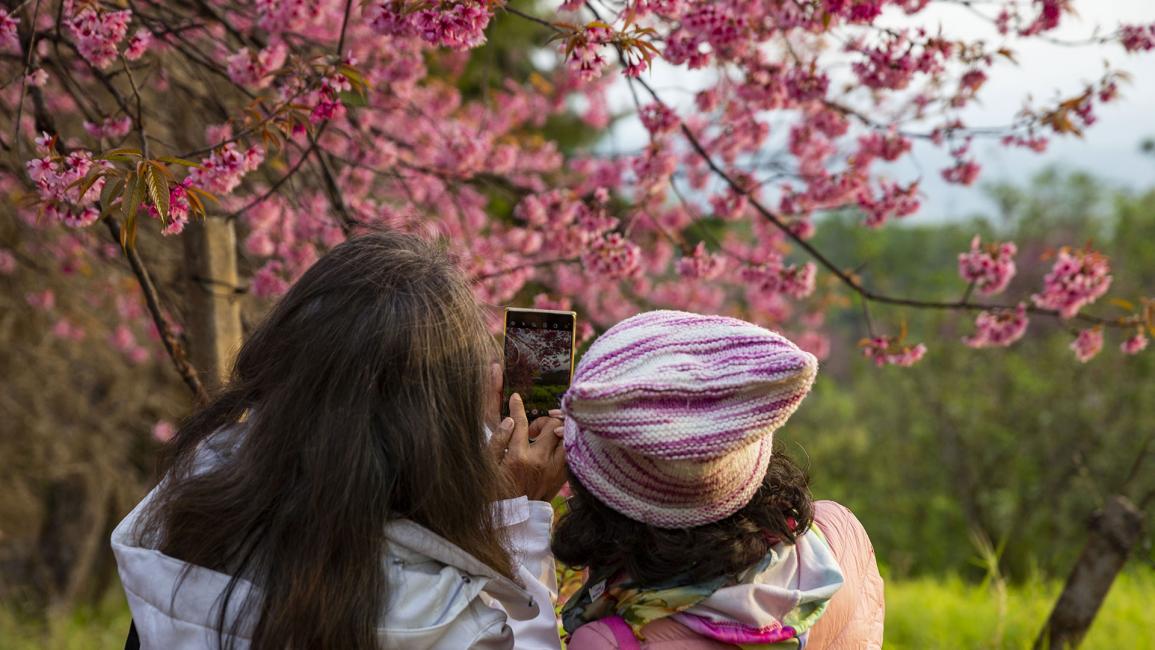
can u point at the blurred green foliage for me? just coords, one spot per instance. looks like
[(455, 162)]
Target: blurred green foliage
[(1019, 444)]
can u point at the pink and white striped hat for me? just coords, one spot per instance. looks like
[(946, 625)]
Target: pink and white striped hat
[(670, 417)]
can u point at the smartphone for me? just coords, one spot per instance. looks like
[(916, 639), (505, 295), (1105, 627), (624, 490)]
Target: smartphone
[(539, 353)]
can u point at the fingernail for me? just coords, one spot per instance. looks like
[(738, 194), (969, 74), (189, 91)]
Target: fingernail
[(515, 396), (555, 413), (507, 424)]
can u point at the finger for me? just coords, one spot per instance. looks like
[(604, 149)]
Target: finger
[(539, 426), (493, 396), (556, 473), (556, 413), (501, 438), (519, 440), (545, 444)]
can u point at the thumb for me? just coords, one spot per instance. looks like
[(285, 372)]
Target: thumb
[(499, 441)]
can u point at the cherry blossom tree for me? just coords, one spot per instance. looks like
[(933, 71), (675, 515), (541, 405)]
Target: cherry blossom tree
[(306, 120)]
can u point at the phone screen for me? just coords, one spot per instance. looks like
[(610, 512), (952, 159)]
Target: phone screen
[(539, 351)]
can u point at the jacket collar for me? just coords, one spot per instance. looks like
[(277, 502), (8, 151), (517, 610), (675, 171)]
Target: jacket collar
[(513, 597)]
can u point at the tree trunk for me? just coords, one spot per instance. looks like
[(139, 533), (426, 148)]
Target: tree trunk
[(1114, 532), (214, 308)]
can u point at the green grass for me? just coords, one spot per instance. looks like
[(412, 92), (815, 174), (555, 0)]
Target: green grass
[(945, 614), (921, 614), (99, 627)]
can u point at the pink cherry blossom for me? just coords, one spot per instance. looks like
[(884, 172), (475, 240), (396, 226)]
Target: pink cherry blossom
[(256, 70), (815, 343), (893, 200), (137, 45), (7, 262), (163, 431), (613, 256), (885, 350), (112, 128), (998, 328), (9, 33), (989, 267), (1088, 344), (268, 281), (37, 78), (658, 118), (44, 300), (773, 277), (223, 169), (65, 330), (97, 33), (1137, 38), (701, 264), (1078, 278), (964, 172), (1135, 343), (586, 54)]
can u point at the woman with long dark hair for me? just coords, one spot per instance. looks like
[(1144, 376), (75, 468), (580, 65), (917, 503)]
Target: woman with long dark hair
[(339, 491)]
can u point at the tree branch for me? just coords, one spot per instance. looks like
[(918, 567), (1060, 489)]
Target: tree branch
[(846, 278), (172, 344)]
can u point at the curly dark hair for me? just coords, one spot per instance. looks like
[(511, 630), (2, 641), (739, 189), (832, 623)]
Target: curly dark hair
[(593, 535)]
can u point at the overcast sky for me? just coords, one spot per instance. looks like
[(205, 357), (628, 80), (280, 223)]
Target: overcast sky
[(1045, 70)]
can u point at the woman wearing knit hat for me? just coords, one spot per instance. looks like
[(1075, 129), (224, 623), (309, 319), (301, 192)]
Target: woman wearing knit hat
[(693, 533)]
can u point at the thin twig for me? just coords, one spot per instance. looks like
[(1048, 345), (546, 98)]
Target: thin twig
[(172, 344)]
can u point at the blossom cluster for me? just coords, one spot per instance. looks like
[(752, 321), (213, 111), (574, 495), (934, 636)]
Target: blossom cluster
[(701, 264), (57, 180), (587, 50), (774, 276), (1087, 344), (1137, 38), (221, 172), (9, 33), (989, 267), (1078, 278), (458, 25), (112, 128), (889, 351), (97, 33), (255, 69), (998, 328), (378, 117)]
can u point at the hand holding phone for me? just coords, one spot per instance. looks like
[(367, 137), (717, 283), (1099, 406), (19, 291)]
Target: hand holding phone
[(535, 470)]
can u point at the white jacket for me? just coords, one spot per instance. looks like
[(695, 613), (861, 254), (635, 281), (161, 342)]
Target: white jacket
[(439, 596)]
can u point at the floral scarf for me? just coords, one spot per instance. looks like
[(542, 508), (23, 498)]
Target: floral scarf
[(608, 592)]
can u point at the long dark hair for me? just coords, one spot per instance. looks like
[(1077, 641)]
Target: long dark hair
[(358, 399), (593, 535)]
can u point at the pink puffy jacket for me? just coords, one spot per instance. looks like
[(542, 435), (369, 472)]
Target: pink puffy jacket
[(853, 620)]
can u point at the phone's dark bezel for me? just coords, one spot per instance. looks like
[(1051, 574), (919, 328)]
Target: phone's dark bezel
[(548, 316)]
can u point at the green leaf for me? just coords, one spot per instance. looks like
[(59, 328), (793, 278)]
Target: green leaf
[(173, 160), (352, 100), (128, 234), (1123, 304), (353, 76), (157, 186), (108, 196), (127, 208), (123, 154), (88, 182)]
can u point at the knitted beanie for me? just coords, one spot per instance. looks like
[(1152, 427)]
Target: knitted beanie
[(670, 417)]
